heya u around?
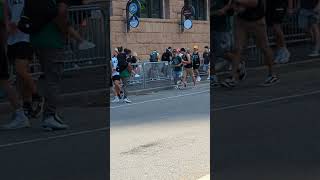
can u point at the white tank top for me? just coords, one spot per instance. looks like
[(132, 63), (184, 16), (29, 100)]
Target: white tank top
[(15, 10)]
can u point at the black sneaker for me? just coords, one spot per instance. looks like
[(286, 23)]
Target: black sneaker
[(229, 83), (37, 106), (271, 80)]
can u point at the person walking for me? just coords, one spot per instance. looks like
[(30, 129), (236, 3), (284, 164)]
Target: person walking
[(188, 69), (308, 19), (276, 10), (250, 18), (196, 62), (177, 68), (116, 76), (19, 118), (20, 53), (49, 46)]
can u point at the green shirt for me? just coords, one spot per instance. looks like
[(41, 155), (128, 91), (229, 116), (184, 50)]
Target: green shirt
[(220, 23), (125, 74), (48, 37)]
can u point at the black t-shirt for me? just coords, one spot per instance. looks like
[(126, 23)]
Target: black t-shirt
[(175, 61), (206, 57), (309, 4), (253, 14), (122, 62)]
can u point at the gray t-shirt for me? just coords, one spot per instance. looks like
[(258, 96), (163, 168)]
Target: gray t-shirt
[(15, 10)]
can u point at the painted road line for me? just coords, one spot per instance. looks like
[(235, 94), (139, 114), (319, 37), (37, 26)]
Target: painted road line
[(160, 99), (53, 137), (207, 177), (267, 101)]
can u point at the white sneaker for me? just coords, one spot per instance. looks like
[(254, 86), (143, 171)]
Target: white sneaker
[(116, 99), (19, 121), (208, 78), (53, 123), (126, 100), (84, 45)]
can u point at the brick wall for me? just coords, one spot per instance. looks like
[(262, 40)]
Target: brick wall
[(156, 33)]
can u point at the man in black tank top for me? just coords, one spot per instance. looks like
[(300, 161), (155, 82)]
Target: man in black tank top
[(187, 70), (250, 19)]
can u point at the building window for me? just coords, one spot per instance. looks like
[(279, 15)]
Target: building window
[(200, 7), (151, 9)]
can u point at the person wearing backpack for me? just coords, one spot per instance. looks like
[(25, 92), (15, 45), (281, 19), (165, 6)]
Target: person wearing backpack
[(48, 39), (196, 62), (206, 60), (188, 70), (154, 58), (250, 18), (124, 68), (177, 67)]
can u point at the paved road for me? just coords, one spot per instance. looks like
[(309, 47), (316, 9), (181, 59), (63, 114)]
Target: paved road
[(162, 136), (81, 152), (268, 133)]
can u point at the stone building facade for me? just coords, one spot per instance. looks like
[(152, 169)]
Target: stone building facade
[(158, 33)]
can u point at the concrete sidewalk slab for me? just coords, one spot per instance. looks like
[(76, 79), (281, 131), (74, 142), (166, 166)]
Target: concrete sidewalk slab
[(207, 177)]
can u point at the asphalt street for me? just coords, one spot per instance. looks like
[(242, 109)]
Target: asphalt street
[(161, 136), (264, 133), (81, 153)]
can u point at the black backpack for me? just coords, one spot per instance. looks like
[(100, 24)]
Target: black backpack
[(37, 14), (122, 62)]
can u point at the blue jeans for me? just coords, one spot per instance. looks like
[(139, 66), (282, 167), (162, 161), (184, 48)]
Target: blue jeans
[(177, 76)]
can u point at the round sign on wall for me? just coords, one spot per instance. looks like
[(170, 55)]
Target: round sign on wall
[(134, 22), (133, 8), (187, 24)]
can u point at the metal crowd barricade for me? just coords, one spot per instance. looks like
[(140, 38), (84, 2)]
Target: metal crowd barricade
[(90, 22), (147, 73)]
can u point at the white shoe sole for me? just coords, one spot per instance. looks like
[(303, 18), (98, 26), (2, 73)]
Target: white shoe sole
[(268, 85)]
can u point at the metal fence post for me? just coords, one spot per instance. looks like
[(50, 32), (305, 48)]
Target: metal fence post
[(144, 76)]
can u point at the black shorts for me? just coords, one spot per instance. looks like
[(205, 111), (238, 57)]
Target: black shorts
[(196, 67), (116, 78), (275, 14), (4, 70), (20, 50)]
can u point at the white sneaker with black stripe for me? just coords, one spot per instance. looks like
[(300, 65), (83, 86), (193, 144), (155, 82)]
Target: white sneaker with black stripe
[(271, 80)]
